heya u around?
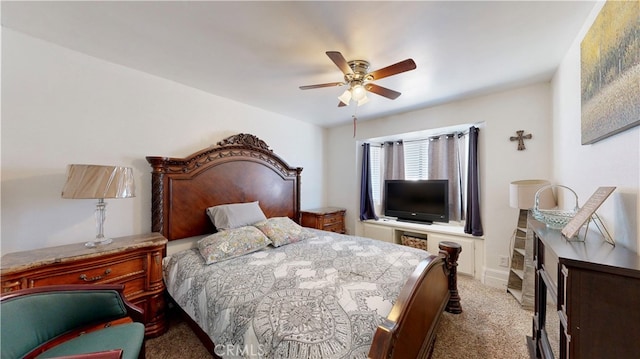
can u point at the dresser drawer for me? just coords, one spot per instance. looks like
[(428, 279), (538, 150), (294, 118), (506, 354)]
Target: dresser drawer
[(331, 219), (335, 227), (118, 270), (134, 287)]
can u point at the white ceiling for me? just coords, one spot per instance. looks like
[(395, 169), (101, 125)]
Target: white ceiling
[(258, 53)]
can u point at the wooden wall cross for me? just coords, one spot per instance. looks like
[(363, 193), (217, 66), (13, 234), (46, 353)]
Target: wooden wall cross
[(520, 137)]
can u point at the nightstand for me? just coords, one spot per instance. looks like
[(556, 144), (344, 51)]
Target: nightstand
[(328, 219), (135, 261)]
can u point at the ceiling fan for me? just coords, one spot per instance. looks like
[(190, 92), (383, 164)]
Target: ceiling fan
[(358, 78)]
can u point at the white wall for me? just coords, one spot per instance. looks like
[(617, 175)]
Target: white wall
[(62, 107), (614, 161), (500, 115)]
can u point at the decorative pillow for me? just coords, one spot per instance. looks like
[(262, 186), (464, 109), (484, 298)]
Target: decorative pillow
[(235, 215), (231, 243), (282, 230)]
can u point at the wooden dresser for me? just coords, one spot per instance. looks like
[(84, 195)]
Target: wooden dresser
[(587, 297), (135, 261), (328, 219)]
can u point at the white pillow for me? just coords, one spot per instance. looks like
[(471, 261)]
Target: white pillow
[(235, 215)]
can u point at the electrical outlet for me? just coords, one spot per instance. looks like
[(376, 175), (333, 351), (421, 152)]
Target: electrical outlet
[(504, 261)]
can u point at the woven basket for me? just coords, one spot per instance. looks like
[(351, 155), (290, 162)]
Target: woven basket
[(414, 242), (554, 218)]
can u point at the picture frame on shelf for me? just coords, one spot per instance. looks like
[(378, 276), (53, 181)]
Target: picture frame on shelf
[(588, 212)]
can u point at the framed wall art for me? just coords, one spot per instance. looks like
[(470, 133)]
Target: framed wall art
[(610, 72)]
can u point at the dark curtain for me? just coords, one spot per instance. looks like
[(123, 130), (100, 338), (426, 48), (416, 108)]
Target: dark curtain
[(473, 225), (367, 211)]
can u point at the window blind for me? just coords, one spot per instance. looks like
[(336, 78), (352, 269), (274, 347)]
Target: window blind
[(374, 165), (416, 160)]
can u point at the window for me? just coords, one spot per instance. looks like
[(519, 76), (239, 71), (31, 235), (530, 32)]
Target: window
[(417, 167), (416, 160)]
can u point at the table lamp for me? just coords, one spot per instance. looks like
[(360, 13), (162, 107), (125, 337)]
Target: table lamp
[(98, 182)]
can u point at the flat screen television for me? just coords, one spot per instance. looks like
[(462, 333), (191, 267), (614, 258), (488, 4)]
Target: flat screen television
[(422, 201)]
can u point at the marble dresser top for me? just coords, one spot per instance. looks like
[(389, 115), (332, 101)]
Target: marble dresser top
[(19, 261)]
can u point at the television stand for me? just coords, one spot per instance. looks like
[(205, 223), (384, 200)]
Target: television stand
[(391, 230), (414, 221)]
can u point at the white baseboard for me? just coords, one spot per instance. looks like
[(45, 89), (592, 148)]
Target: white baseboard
[(495, 278)]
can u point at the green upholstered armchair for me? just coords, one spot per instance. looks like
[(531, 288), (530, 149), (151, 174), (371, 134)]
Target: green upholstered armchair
[(70, 321)]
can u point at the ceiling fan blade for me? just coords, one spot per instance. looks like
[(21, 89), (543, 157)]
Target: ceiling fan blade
[(394, 69), (339, 60), (342, 104), (382, 91), (330, 84)]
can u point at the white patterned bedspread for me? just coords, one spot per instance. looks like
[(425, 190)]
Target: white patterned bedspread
[(319, 298)]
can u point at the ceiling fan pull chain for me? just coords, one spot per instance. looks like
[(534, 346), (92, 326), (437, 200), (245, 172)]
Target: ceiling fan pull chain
[(354, 125)]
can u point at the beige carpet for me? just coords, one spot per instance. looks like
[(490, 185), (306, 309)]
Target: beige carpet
[(492, 326)]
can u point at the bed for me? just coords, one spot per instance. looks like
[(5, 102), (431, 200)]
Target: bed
[(322, 295)]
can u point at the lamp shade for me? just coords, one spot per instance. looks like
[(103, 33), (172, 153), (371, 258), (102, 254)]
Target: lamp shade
[(522, 194), (345, 98), (363, 100), (95, 181)]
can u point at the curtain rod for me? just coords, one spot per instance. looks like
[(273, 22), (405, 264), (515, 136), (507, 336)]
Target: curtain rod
[(453, 134), (459, 134)]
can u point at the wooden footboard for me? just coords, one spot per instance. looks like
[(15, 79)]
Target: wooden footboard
[(409, 330)]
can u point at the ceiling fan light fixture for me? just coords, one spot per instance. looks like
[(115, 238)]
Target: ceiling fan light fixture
[(364, 100), (358, 92), (345, 97)]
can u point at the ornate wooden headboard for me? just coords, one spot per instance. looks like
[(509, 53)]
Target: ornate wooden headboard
[(240, 168)]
